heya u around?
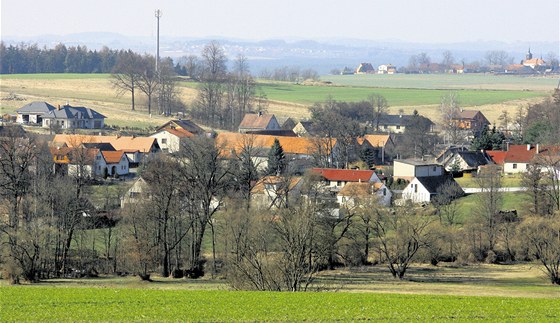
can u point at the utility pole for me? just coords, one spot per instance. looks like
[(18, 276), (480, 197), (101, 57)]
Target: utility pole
[(158, 14)]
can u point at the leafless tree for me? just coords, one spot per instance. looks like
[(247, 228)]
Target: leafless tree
[(379, 108), (126, 74), (447, 59), (489, 204), (148, 81), (449, 108)]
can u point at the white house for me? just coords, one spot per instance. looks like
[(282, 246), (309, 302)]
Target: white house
[(354, 193), (423, 189), (409, 168), (33, 112), (68, 117), (336, 179)]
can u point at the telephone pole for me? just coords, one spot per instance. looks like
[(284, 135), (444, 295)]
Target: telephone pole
[(158, 15)]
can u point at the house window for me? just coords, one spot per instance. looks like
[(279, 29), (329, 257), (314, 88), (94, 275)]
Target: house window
[(338, 183), (384, 192), (164, 141), (514, 166), (415, 188), (398, 127), (434, 168)]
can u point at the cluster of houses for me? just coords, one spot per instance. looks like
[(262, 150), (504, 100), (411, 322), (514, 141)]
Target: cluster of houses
[(118, 156), (527, 66)]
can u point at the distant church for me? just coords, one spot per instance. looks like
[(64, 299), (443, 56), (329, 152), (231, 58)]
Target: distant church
[(532, 62)]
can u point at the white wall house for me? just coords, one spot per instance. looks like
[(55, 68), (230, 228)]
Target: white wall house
[(423, 189), (410, 168)]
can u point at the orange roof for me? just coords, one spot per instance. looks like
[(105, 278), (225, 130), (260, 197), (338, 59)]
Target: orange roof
[(233, 141), (347, 175), (112, 157), (179, 132), (497, 156), (127, 143), (534, 61), (374, 140), (256, 121)]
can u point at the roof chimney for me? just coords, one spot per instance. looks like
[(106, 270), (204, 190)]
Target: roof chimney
[(58, 107), (260, 113), (538, 148), (528, 147)]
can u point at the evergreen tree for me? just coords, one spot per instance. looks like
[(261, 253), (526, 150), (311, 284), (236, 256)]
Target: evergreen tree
[(276, 159)]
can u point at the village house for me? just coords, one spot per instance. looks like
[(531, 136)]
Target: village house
[(365, 68), (397, 123), (136, 148), (336, 179), (170, 135), (386, 69), (379, 145), (355, 193), (89, 162), (65, 117), (408, 169), (518, 157), (258, 121), (273, 192), (472, 120), (300, 152), (424, 189), (459, 159), (32, 113), (305, 129)]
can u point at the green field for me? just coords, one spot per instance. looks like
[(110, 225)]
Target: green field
[(398, 96), (447, 81), (29, 303), (511, 201)]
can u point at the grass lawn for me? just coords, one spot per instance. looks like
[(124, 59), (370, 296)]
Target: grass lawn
[(507, 181), (429, 293), (511, 201)]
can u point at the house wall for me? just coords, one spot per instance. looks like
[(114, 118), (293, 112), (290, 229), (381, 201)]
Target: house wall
[(273, 124), (74, 123), (416, 192), (167, 142), (428, 170), (403, 169), (514, 168), (73, 170), (392, 129)]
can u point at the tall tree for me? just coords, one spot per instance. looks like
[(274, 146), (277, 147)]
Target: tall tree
[(126, 74), (379, 108), (148, 82), (277, 162)]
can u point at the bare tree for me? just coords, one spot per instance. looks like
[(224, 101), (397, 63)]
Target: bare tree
[(489, 204), (148, 81), (447, 59), (399, 235), (126, 74), (379, 108), (449, 108)]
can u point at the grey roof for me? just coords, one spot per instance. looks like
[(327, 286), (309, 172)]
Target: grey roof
[(433, 183), (69, 112), (281, 133), (397, 119), (103, 146), (473, 158), (36, 107)]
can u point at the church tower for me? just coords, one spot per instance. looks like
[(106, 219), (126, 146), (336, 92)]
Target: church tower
[(529, 55)]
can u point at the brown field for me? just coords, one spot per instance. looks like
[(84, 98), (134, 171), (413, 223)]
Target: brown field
[(98, 94)]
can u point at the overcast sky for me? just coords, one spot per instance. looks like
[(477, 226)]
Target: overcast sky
[(419, 21)]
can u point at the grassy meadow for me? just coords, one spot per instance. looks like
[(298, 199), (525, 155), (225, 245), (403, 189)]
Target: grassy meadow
[(488, 93), (483, 292)]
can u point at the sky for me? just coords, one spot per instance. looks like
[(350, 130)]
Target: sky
[(420, 21)]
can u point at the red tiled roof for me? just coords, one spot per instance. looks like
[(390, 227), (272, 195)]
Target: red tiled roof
[(142, 144), (497, 156), (374, 140), (233, 141), (112, 157), (520, 154), (359, 189), (347, 175), (275, 180)]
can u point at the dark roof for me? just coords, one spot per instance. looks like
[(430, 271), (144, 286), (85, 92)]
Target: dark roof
[(36, 107), (433, 183), (282, 133), (397, 120), (69, 112), (473, 158), (103, 146), (12, 131)]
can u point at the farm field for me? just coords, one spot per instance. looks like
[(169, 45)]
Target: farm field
[(447, 81), (511, 201), (286, 99), (482, 292)]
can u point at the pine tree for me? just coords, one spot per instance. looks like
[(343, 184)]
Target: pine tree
[(276, 159)]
